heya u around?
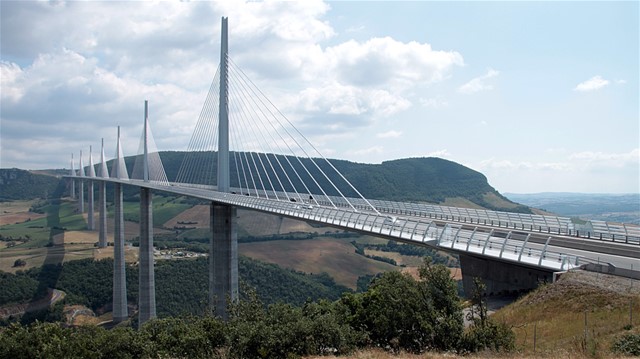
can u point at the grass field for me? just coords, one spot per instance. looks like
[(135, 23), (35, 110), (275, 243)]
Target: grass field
[(583, 313), (334, 256), (198, 214), (459, 202), (19, 217), (410, 261), (494, 200), (36, 257), (74, 242), (164, 209), (39, 231)]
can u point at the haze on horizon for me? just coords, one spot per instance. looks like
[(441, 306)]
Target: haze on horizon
[(538, 96)]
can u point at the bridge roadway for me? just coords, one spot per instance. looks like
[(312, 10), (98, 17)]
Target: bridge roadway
[(534, 249)]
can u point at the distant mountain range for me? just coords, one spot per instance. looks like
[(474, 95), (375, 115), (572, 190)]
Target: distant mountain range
[(601, 206), (432, 180)]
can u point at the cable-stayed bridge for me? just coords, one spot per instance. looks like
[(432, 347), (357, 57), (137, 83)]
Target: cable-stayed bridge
[(245, 153)]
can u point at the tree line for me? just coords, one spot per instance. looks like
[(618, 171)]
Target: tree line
[(181, 285), (396, 312)]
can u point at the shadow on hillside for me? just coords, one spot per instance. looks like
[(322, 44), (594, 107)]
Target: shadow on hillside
[(52, 266)]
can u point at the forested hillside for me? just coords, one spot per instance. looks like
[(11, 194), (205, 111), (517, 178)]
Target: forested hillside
[(431, 179), (181, 285), (18, 184)]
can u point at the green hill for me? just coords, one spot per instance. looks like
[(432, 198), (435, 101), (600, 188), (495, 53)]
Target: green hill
[(17, 184), (181, 285), (432, 180)]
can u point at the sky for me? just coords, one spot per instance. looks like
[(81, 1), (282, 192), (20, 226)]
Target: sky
[(538, 96)]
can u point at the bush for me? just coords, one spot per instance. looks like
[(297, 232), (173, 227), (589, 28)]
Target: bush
[(485, 334), (284, 331), (398, 312), (628, 344), (182, 338), (490, 336)]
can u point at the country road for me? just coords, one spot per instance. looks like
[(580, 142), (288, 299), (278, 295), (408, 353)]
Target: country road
[(53, 296)]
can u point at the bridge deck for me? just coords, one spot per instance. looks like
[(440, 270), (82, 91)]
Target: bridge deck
[(506, 239)]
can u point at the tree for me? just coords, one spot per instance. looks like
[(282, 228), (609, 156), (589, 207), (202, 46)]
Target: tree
[(484, 332), (395, 313), (442, 290)]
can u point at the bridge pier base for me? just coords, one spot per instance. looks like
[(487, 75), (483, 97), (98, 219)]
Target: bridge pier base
[(102, 215), (120, 310), (223, 258), (147, 286), (500, 278), (90, 220)]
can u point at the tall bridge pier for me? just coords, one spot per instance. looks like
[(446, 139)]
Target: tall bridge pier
[(223, 255), (120, 309), (81, 186), (223, 258), (102, 202), (90, 220), (72, 173), (147, 285)]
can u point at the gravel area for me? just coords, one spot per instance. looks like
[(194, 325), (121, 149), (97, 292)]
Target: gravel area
[(607, 282)]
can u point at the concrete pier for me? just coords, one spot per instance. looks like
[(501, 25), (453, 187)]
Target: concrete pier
[(500, 278), (90, 220), (72, 173), (147, 286), (81, 196), (81, 186), (223, 258), (102, 214), (120, 310)]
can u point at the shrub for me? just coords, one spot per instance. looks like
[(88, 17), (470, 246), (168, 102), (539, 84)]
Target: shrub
[(628, 344)]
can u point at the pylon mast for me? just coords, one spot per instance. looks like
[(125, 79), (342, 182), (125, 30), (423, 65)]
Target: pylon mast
[(223, 128)]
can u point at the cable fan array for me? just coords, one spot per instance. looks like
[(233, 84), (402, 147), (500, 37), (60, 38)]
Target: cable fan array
[(269, 156)]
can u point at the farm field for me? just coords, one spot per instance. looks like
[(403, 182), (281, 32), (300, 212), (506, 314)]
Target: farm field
[(334, 256)]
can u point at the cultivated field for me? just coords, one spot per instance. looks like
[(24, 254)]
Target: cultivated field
[(337, 257), (17, 212)]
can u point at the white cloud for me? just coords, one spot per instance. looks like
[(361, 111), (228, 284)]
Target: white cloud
[(434, 102), (479, 83), (355, 29), (389, 134), (439, 153), (572, 162), (90, 65), (369, 151), (508, 165), (67, 94), (602, 159), (11, 91), (588, 171), (592, 84), (621, 82), (385, 61), (350, 106)]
